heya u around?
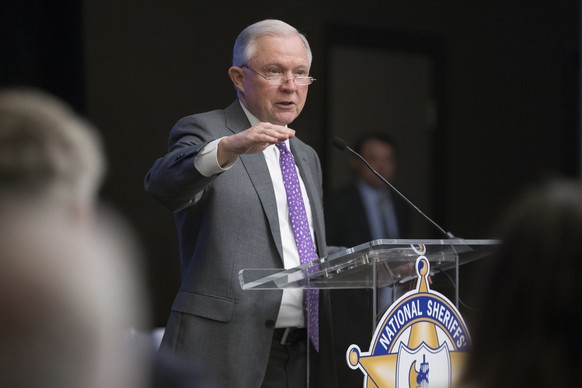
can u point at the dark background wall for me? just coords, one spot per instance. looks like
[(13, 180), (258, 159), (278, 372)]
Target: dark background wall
[(509, 90)]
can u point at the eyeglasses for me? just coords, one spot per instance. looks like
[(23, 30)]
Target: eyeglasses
[(281, 79)]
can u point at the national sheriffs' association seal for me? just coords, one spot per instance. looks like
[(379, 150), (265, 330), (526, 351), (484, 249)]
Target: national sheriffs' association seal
[(420, 342)]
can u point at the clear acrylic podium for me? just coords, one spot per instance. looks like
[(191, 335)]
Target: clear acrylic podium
[(373, 265), (376, 264)]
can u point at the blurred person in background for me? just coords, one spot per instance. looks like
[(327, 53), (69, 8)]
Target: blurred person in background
[(364, 210), (527, 326)]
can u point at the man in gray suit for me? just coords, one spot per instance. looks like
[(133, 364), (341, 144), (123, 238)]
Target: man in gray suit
[(221, 178)]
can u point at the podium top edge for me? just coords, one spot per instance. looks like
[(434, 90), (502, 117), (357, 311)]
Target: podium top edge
[(397, 243), (448, 241)]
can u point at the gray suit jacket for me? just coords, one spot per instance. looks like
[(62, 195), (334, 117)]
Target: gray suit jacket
[(226, 223)]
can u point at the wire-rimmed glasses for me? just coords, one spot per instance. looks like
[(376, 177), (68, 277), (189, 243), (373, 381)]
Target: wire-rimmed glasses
[(281, 79)]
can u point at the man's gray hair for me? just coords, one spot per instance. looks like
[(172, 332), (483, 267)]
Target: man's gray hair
[(245, 44)]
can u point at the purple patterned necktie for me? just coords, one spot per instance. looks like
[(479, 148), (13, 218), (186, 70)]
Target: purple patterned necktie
[(300, 225)]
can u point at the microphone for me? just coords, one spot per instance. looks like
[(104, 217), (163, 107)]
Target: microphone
[(342, 145)]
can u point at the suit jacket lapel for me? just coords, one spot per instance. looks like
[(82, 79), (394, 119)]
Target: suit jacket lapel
[(258, 172)]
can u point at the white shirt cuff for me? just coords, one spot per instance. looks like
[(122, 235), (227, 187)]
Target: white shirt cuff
[(206, 162)]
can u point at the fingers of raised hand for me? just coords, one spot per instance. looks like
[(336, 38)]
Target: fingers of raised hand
[(275, 132)]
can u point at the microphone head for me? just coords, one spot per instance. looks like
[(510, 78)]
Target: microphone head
[(340, 143)]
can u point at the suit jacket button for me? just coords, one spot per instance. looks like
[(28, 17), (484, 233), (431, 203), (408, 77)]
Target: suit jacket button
[(270, 324)]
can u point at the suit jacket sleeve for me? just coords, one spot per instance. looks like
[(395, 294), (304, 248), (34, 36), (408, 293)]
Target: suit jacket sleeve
[(173, 179)]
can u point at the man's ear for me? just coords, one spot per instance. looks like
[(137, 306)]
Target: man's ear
[(236, 75)]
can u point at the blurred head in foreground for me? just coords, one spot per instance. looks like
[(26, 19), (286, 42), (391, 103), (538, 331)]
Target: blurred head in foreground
[(70, 289), (48, 153), (528, 327)]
